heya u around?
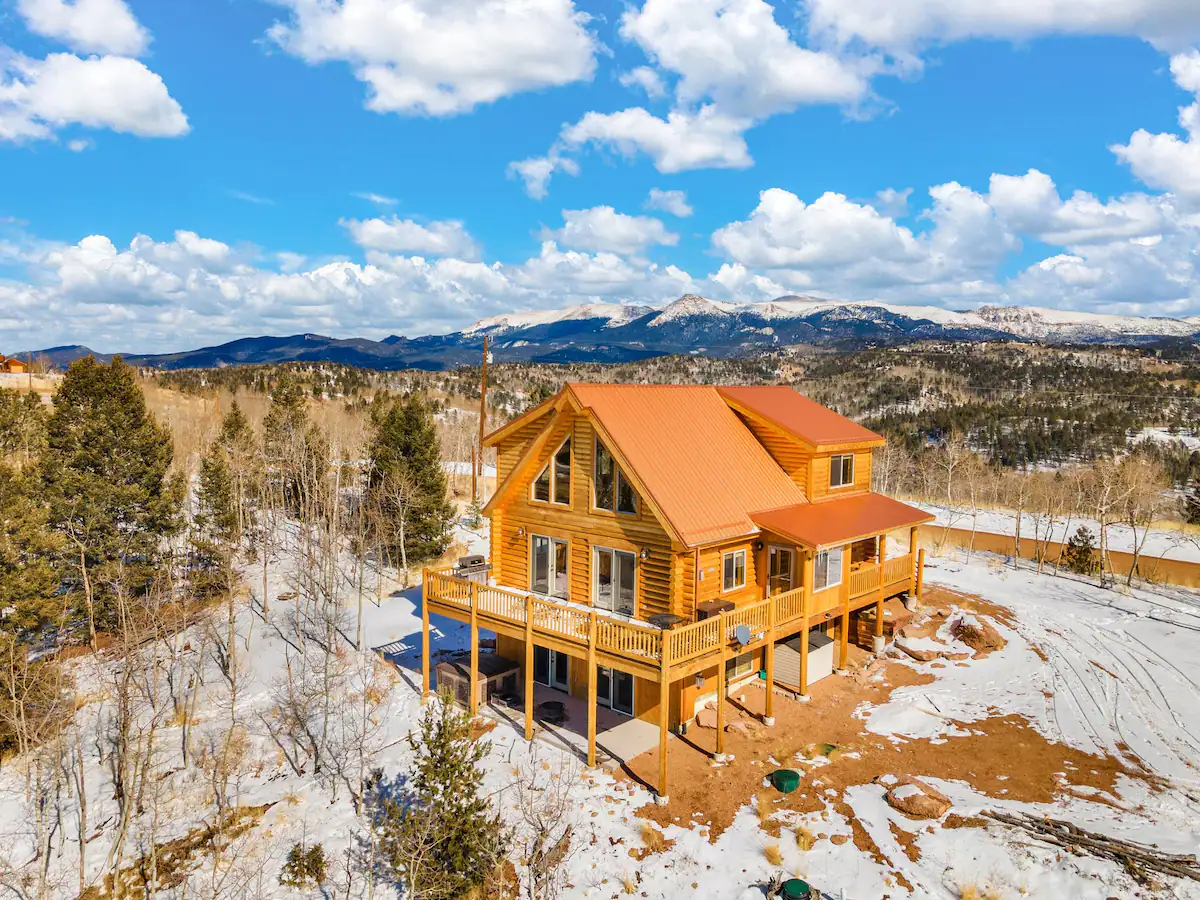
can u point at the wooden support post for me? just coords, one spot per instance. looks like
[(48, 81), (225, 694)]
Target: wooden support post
[(769, 665), (474, 599), (528, 667), (920, 574), (425, 598), (591, 690), (844, 629), (722, 687), (804, 626), (664, 715)]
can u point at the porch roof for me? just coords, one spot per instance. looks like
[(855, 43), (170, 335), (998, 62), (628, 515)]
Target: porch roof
[(836, 522)]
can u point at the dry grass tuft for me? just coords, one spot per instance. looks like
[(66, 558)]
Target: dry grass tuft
[(773, 854), (805, 838), (629, 886), (971, 892), (653, 839)]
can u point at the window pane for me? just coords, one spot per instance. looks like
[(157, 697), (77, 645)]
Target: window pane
[(560, 569), (604, 579), (821, 571), (604, 477), (626, 498), (623, 699), (739, 563), (728, 582), (562, 474), (847, 470), (835, 566), (626, 563), (540, 576), (541, 487)]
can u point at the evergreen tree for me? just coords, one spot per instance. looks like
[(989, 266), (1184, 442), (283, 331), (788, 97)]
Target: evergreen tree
[(438, 832), (105, 476), (1191, 503), (296, 450), (28, 580), (1079, 556), (408, 482), (22, 423)]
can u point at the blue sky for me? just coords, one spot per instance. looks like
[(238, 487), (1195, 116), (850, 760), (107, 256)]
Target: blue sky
[(181, 173)]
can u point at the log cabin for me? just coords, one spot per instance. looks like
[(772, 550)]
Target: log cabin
[(653, 546), (11, 365)]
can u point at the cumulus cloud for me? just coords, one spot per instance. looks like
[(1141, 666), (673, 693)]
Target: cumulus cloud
[(673, 202), (396, 235), (442, 57), (1167, 161), (912, 24), (603, 229), (727, 64), (114, 92), (88, 26)]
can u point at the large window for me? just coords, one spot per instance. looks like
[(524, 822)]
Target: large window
[(616, 577), (827, 569), (548, 566), (553, 484), (841, 470), (734, 565), (613, 490)]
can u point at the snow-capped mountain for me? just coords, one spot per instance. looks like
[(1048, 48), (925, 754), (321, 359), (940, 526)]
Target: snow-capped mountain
[(616, 332)]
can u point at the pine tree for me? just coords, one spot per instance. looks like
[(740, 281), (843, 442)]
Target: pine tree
[(295, 449), (1191, 503), (28, 580), (105, 476), (1079, 556), (439, 833), (408, 482)]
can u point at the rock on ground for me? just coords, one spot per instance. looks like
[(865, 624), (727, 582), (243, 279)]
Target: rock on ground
[(914, 798)]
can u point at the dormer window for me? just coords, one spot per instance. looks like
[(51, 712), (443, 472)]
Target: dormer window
[(553, 484), (612, 489), (841, 470)]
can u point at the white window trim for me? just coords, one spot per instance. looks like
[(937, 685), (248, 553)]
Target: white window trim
[(853, 474), (550, 569), (598, 549), (618, 477), (736, 587), (841, 569), (549, 466)]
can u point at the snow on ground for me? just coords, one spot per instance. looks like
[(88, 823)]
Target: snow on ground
[(1162, 543), (1114, 669)]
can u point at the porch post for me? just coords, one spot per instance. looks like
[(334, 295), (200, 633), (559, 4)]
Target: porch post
[(878, 643), (722, 687), (425, 691), (805, 622), (915, 553), (844, 635), (474, 647), (769, 664), (664, 715), (529, 667), (920, 575), (591, 689)]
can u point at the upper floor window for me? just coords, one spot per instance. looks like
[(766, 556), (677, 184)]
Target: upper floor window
[(548, 566), (841, 470), (827, 569), (553, 484), (734, 565), (612, 489)]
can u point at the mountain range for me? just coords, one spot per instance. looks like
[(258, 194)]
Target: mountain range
[(615, 332)]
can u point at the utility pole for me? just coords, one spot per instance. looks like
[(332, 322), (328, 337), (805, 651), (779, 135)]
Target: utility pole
[(483, 421)]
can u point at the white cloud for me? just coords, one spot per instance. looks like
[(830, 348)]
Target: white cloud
[(912, 24), (706, 139), (377, 199), (673, 202), (647, 79), (537, 171), (728, 65), (113, 92), (443, 57), (87, 26), (396, 235), (247, 197), (1165, 160), (892, 202), (603, 229)]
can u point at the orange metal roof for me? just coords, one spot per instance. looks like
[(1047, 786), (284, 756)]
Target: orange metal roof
[(701, 466), (798, 415), (837, 522)]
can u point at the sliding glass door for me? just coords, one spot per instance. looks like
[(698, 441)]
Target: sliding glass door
[(615, 690), (551, 668), (548, 566), (615, 580)]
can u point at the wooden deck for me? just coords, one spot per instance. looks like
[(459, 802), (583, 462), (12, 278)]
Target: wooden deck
[(648, 652)]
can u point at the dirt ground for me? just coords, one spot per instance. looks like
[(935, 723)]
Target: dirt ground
[(1000, 757)]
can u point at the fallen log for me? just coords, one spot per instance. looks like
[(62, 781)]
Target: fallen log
[(1138, 859)]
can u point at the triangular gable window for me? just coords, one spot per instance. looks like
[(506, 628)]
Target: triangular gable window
[(613, 490), (553, 484)]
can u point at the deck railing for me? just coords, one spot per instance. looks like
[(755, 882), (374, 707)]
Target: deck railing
[(637, 641)]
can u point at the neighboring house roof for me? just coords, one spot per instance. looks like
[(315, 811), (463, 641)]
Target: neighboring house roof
[(703, 469), (835, 522), (794, 413)]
